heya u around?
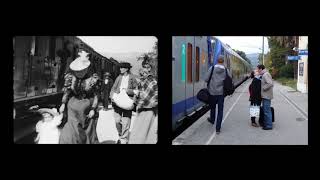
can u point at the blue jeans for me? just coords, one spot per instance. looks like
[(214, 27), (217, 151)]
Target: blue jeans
[(267, 113), (213, 101)]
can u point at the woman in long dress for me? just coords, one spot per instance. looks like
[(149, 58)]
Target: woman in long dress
[(81, 96)]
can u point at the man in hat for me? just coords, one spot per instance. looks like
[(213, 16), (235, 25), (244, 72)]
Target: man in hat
[(105, 88), (124, 82)]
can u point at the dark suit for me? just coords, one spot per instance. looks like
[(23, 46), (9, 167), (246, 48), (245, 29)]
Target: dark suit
[(105, 92)]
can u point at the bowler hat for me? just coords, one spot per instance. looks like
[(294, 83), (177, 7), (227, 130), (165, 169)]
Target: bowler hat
[(107, 74), (125, 65)]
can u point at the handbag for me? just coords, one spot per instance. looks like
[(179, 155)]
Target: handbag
[(254, 111), (203, 95)]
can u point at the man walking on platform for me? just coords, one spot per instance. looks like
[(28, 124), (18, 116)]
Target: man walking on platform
[(216, 90)]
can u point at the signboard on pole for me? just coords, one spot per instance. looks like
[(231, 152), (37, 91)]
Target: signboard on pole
[(293, 58), (303, 52), (301, 69)]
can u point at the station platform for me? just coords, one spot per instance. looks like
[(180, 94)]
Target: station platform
[(290, 126)]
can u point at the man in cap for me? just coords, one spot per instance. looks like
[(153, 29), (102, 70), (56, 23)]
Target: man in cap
[(105, 88), (124, 82)]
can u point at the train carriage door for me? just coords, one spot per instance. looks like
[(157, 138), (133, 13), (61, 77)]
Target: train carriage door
[(179, 78), (200, 44), (190, 78)]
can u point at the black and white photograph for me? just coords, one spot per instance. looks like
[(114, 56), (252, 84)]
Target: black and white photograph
[(85, 89)]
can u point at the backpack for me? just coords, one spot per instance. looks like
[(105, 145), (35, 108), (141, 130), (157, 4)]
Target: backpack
[(228, 86)]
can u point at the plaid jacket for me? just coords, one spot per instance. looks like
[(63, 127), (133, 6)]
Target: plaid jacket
[(148, 93)]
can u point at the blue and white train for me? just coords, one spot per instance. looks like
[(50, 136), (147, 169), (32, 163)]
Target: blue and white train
[(192, 56)]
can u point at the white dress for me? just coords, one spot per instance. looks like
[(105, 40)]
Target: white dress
[(48, 131)]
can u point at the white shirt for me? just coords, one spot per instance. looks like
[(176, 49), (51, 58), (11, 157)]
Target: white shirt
[(124, 82)]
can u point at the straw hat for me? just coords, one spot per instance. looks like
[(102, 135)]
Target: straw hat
[(53, 111), (81, 62)]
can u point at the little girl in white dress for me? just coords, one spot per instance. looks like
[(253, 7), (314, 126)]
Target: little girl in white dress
[(47, 127)]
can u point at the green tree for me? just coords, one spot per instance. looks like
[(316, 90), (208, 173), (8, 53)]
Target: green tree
[(151, 58), (280, 48), (243, 55)]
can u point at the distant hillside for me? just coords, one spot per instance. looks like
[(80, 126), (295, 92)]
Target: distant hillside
[(130, 57), (254, 59)]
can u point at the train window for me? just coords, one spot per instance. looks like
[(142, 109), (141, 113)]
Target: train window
[(203, 56), (183, 63), (20, 73), (197, 63), (228, 61), (189, 59), (213, 45), (38, 68), (222, 51), (43, 68), (52, 47)]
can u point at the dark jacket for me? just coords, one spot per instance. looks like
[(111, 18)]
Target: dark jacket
[(255, 91), (106, 88)]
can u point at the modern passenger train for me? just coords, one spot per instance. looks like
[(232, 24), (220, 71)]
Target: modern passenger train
[(192, 56)]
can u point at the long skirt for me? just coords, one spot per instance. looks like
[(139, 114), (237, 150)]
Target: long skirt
[(79, 129), (145, 128)]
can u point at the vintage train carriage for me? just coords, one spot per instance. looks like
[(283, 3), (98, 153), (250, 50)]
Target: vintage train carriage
[(37, 72)]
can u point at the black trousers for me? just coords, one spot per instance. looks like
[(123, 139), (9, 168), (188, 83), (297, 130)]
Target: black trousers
[(105, 99)]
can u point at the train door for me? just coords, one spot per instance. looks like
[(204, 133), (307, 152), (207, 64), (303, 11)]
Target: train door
[(190, 66), (179, 78), (200, 58)]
